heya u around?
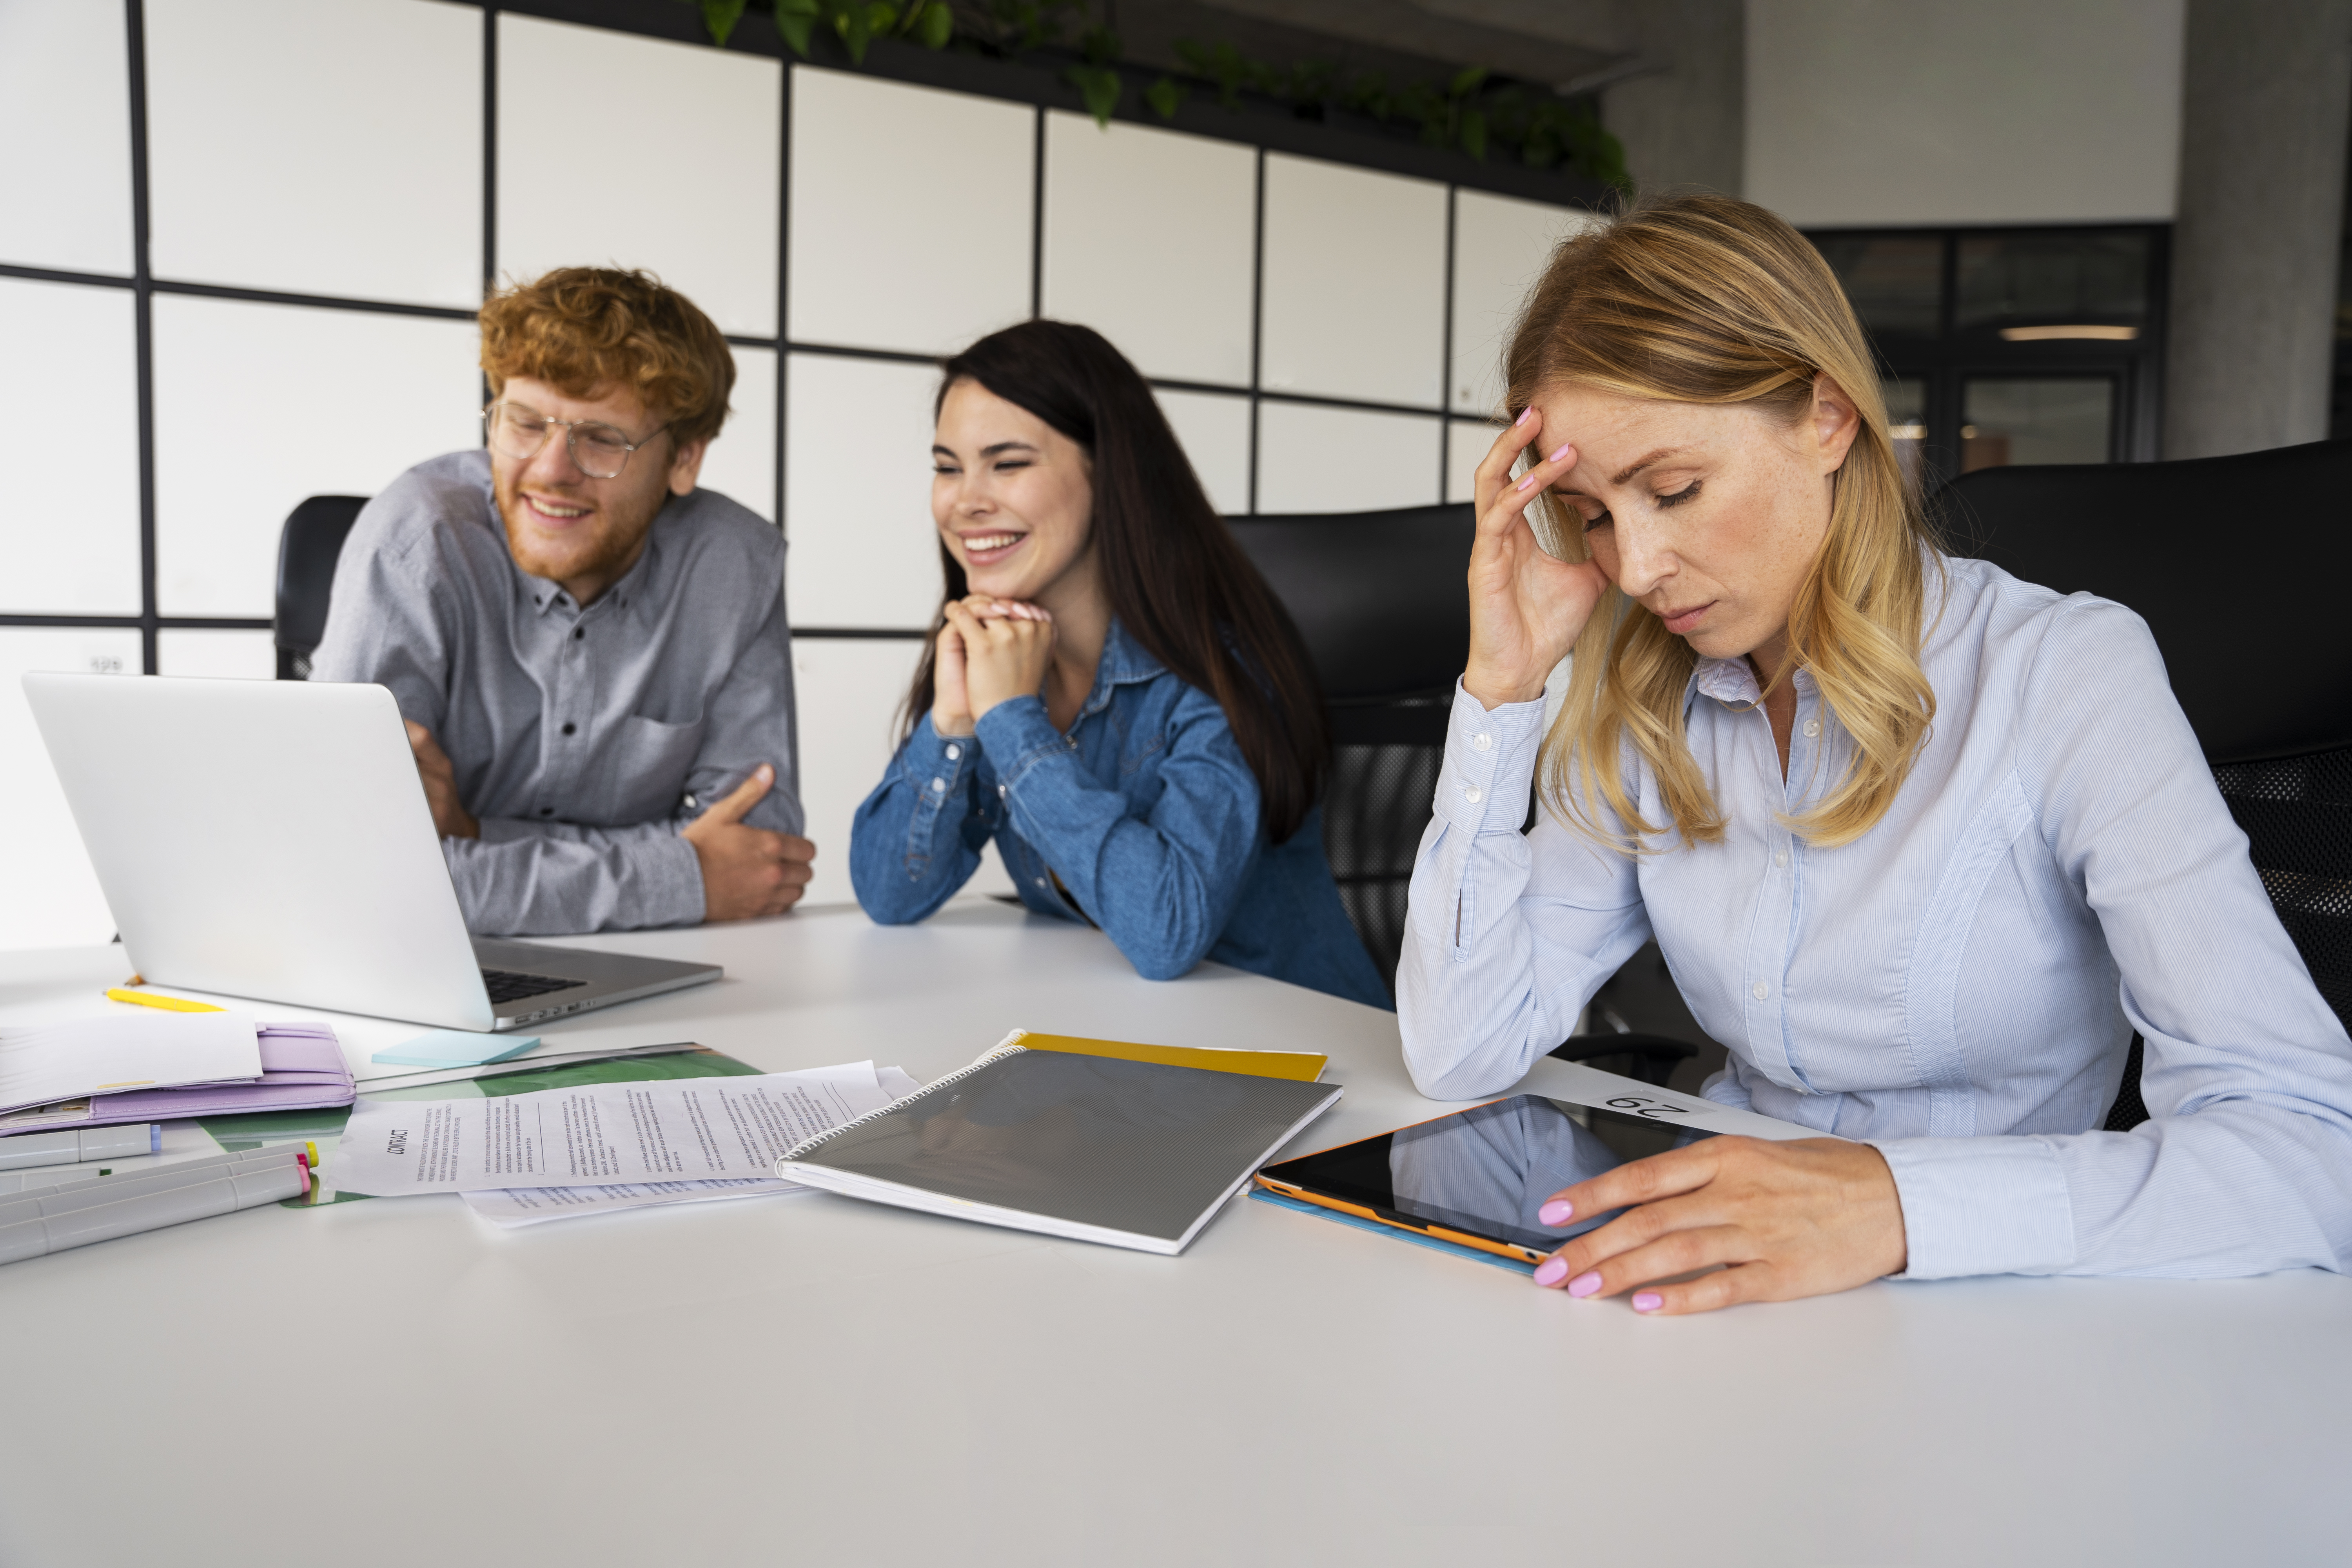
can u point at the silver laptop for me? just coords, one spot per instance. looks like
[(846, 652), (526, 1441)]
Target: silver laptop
[(270, 839)]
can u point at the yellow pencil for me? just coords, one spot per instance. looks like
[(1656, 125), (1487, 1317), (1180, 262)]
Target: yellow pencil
[(168, 1004)]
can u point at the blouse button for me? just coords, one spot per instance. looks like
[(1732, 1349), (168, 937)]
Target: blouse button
[(1779, 856), (954, 752), (1483, 743), (1474, 797), (1812, 728), (1760, 991)]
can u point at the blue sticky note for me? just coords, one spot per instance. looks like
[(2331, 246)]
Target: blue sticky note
[(455, 1049)]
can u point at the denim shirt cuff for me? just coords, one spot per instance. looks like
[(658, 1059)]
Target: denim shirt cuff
[(935, 766), (1019, 736), (1490, 763)]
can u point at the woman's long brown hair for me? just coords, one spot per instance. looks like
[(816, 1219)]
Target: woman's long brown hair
[(1170, 567)]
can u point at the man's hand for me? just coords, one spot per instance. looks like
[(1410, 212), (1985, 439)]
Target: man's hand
[(1784, 1220), (748, 871), (450, 817)]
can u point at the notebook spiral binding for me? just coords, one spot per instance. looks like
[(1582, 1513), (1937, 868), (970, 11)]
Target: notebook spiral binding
[(806, 1144)]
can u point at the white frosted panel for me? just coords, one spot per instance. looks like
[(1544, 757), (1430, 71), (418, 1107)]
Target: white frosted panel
[(257, 406), (1355, 284), (1343, 459), (69, 406), (53, 899), (1499, 249), (1994, 113), (65, 114), (741, 464), (849, 692), (911, 214), (686, 160), (1467, 442), (1215, 434), (317, 149), (1149, 240), (230, 653), (857, 493)]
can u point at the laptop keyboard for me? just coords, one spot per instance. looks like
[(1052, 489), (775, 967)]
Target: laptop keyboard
[(507, 986)]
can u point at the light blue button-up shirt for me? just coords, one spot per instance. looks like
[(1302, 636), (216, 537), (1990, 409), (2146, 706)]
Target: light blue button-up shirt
[(1959, 985)]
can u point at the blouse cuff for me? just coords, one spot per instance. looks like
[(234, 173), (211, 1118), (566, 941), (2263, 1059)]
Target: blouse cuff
[(1490, 763), (1980, 1205)]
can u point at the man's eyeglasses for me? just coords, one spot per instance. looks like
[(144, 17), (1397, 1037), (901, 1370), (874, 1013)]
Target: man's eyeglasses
[(517, 430)]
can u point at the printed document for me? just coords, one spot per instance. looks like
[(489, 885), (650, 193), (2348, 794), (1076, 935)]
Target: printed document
[(664, 1131), (529, 1206)]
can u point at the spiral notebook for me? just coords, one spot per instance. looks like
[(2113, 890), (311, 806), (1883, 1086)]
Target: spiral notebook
[(1128, 1154)]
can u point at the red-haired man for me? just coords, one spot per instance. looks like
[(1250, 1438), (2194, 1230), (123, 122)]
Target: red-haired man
[(592, 654)]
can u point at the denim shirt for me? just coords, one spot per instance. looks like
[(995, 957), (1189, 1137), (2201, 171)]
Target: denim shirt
[(1145, 814)]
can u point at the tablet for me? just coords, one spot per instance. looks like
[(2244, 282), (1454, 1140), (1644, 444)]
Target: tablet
[(1477, 1178)]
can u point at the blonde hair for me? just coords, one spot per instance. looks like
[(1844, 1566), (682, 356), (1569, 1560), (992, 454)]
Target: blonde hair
[(1702, 299)]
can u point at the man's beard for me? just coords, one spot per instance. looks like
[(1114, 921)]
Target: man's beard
[(618, 527)]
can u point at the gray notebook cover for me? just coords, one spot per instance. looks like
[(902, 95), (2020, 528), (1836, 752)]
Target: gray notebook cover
[(1128, 1146)]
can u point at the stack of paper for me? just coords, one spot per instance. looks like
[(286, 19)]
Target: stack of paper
[(74, 1058), (523, 1158)]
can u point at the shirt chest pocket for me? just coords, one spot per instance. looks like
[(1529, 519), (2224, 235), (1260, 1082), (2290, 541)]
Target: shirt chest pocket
[(639, 773), (1142, 752)]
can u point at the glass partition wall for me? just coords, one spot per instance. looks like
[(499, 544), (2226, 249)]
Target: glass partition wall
[(1998, 346)]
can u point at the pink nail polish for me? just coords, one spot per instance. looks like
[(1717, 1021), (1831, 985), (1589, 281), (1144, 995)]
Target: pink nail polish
[(1564, 448), (1648, 1301), (1585, 1284), (1549, 1271), (1525, 483), (1560, 1211), (1523, 414)]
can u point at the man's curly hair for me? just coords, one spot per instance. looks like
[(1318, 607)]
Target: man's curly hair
[(583, 329)]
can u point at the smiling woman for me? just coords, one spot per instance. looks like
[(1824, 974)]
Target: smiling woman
[(1113, 693), (1924, 845)]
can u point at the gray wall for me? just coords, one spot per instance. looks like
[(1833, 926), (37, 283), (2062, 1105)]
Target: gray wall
[(2256, 248)]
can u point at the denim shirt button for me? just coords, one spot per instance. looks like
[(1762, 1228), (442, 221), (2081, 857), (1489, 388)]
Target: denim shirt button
[(954, 753), (939, 786)]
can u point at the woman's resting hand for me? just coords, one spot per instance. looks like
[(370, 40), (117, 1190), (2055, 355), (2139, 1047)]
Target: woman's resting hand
[(951, 709), (1782, 1220), (1527, 607)]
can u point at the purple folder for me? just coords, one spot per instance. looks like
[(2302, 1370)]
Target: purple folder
[(302, 1069)]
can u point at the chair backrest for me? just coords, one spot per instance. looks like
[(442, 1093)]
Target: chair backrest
[(308, 548), (1379, 599), (2233, 562)]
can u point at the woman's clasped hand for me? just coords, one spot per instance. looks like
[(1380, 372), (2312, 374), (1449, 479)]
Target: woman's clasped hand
[(1769, 1221), (991, 651)]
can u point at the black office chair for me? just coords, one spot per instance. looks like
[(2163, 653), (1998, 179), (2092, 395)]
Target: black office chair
[(1379, 598), (308, 549), (2234, 563)]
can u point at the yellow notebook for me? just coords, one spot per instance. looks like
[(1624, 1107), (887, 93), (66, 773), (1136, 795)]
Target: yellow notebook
[(1301, 1066)]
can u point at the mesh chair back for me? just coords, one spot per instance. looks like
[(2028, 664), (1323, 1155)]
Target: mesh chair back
[(308, 548), (2269, 694), (1379, 599)]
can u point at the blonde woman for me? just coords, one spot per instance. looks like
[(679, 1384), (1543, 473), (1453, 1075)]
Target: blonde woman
[(1923, 845)]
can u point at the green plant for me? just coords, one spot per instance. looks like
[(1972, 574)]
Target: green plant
[(1470, 112)]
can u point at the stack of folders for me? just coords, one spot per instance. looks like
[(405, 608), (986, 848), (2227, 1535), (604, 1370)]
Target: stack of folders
[(1086, 1140), (43, 1212), (162, 1066)]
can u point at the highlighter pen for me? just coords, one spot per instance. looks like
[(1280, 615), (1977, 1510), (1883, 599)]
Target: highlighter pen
[(168, 1004), (78, 1144), (57, 1218)]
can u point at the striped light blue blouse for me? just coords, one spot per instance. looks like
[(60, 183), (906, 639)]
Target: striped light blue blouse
[(1959, 985)]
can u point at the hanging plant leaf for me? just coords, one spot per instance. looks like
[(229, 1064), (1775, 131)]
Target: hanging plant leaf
[(793, 20), (936, 25), (1101, 88), (719, 17), (1165, 96)]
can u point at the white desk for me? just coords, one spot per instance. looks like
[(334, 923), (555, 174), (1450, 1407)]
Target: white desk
[(808, 1379)]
